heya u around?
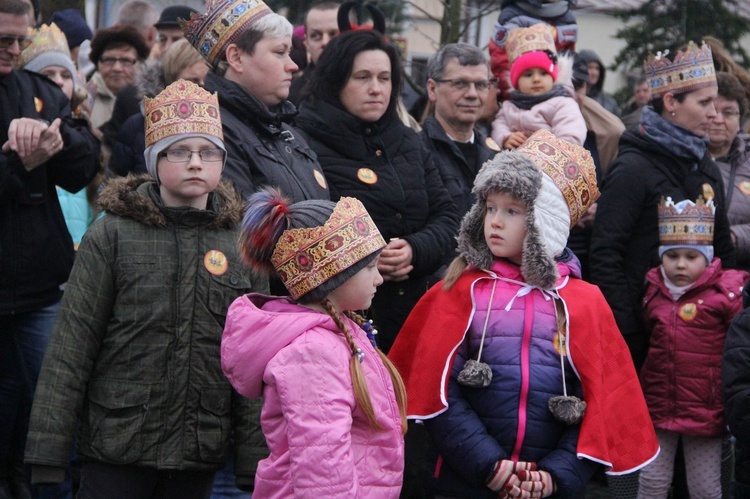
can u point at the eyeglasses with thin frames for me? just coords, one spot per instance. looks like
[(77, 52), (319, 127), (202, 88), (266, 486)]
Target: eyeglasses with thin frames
[(126, 62), (729, 114), (185, 155), (463, 85), (6, 41)]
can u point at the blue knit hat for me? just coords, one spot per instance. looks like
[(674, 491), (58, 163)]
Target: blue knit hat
[(72, 23)]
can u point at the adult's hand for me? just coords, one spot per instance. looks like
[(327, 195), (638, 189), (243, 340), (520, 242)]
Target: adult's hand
[(34, 141), (394, 263)]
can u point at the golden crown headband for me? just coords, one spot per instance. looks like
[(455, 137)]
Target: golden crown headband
[(182, 108), (540, 36), (570, 167), (306, 258), (45, 39), (221, 25), (692, 225), (691, 69)]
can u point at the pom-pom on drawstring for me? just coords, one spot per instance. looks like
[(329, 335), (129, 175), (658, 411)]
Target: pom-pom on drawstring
[(266, 219)]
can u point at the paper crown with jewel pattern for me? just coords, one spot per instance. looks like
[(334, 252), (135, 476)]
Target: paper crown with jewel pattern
[(46, 39), (686, 223), (182, 108), (307, 258), (691, 69), (221, 25), (539, 37), (569, 166)]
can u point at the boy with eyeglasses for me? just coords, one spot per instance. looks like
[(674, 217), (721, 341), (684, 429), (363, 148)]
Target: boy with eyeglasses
[(41, 147), (134, 357)]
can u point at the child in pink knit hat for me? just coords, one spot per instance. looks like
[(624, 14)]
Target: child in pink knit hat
[(537, 102)]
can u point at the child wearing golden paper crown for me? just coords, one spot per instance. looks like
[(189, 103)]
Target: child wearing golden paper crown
[(133, 366), (689, 303), (514, 363), (537, 103), (333, 405), (48, 54)]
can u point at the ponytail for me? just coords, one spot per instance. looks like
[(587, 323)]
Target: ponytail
[(454, 271)]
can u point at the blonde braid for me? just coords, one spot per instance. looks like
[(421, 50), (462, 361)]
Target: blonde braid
[(355, 368), (454, 271), (398, 383)]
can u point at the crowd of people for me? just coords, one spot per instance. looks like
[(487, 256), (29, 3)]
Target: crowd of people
[(231, 262)]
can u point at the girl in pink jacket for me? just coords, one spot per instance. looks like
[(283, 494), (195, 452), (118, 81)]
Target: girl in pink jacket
[(333, 406), (536, 103), (688, 305)]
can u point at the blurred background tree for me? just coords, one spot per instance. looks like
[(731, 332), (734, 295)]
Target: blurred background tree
[(669, 24)]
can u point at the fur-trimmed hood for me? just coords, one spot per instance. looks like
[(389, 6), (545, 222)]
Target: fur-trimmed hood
[(150, 79), (137, 197), (520, 177)]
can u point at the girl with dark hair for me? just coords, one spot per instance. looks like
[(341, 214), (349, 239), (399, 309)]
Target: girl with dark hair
[(349, 118)]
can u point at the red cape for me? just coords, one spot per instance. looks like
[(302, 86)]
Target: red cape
[(616, 429)]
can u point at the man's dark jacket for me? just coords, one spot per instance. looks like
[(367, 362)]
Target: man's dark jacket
[(36, 250)]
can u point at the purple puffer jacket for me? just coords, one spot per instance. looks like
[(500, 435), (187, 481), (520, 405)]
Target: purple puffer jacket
[(681, 377), (321, 442)]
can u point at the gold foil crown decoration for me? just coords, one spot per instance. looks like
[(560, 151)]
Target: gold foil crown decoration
[(182, 108), (221, 25), (691, 69), (570, 167), (686, 223), (540, 36), (306, 258), (45, 39)]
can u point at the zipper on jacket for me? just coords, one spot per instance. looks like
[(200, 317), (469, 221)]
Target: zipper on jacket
[(525, 368)]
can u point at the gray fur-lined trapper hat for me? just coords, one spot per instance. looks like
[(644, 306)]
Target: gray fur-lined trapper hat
[(556, 181)]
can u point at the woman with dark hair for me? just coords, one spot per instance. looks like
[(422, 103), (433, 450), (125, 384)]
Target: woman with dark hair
[(666, 156), (731, 151), (349, 118)]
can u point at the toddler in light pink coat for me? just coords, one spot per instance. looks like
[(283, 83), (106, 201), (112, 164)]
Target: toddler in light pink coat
[(537, 102)]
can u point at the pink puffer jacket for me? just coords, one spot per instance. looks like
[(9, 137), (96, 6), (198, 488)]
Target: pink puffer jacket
[(321, 442), (560, 115), (681, 377)]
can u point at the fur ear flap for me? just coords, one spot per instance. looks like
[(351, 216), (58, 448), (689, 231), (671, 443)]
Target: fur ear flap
[(538, 268)]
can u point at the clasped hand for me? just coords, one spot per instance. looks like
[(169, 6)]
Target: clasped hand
[(34, 141), (521, 479), (394, 263)]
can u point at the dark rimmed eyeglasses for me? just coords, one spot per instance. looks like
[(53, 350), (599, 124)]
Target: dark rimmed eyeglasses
[(185, 155), (111, 61), (463, 85), (6, 41)]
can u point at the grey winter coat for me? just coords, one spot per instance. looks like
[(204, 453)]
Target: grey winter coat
[(736, 166), (134, 363)]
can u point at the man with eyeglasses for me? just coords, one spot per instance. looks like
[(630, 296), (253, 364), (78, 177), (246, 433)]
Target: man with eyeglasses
[(116, 52), (458, 84), (41, 147)]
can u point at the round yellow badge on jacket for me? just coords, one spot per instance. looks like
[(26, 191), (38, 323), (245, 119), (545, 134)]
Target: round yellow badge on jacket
[(491, 144), (688, 311), (708, 192), (367, 176), (320, 179), (745, 188), (216, 262)]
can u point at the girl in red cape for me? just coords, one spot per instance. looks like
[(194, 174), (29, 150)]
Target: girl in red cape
[(514, 364)]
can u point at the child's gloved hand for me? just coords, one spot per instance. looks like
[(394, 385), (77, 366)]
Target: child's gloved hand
[(537, 483), (506, 471)]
